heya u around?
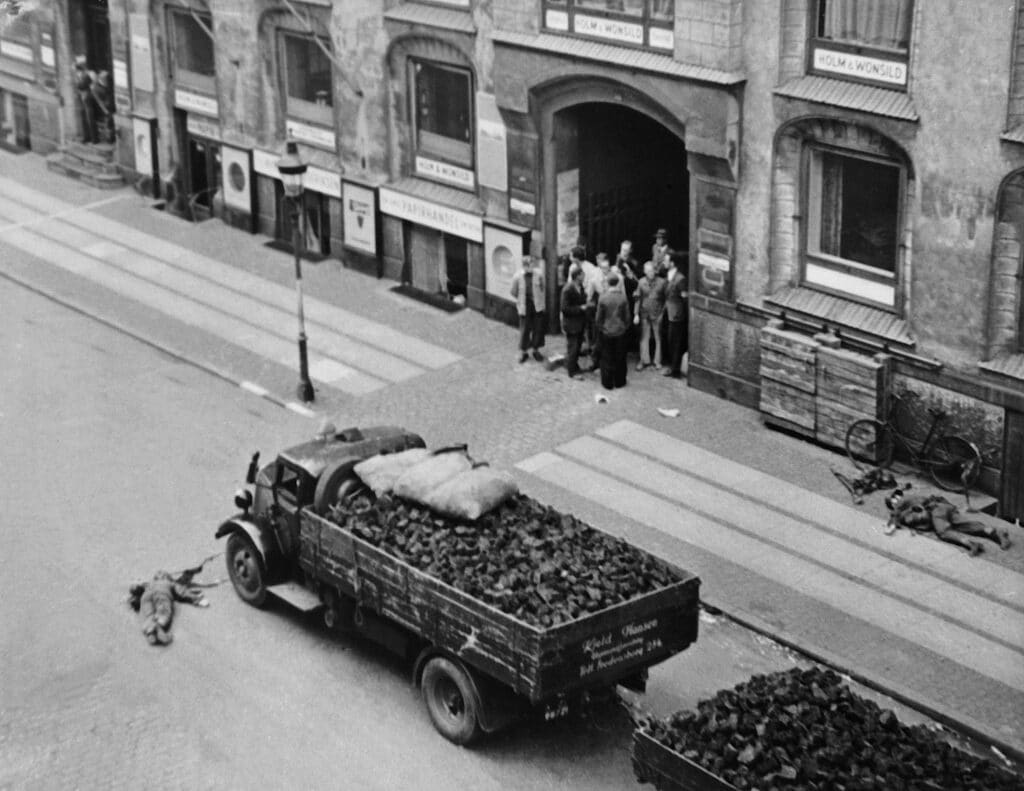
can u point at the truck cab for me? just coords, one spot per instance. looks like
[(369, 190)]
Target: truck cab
[(263, 540)]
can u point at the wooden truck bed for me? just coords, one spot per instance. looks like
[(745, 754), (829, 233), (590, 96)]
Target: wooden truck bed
[(590, 652)]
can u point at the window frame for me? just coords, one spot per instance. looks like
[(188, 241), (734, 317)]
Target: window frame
[(845, 267), (186, 78), (294, 107), (414, 123), (817, 42), (646, 22)]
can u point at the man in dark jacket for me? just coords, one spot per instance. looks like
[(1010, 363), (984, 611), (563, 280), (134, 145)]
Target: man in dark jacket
[(676, 315), (574, 319), (612, 321)]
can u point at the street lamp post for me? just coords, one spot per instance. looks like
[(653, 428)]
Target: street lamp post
[(292, 168)]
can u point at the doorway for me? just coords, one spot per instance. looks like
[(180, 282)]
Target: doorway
[(97, 36), (315, 222), (620, 175), (14, 127), (203, 177), (1012, 499), (456, 262)]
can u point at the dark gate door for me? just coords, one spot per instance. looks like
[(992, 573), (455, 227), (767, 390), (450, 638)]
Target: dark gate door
[(1012, 499), (627, 212), (97, 36)]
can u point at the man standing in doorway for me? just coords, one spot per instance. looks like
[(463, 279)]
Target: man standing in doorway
[(574, 317), (650, 306), (528, 292), (612, 321), (660, 252), (676, 314), (625, 259)]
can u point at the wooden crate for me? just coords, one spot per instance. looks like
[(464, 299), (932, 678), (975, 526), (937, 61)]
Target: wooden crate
[(850, 387), (795, 407), (788, 372)]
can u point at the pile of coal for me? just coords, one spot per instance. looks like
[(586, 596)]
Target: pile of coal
[(805, 729), (523, 558)]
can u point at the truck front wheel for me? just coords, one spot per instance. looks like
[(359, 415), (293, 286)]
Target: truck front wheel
[(245, 567), (451, 700)]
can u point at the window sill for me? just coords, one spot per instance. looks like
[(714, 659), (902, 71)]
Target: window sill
[(850, 317), (454, 19), (850, 96), (1006, 367)]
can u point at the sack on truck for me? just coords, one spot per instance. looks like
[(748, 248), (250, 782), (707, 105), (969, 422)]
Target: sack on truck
[(471, 494), (422, 478), (381, 472)]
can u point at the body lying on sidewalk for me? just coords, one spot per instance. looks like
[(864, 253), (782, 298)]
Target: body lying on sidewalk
[(935, 513)]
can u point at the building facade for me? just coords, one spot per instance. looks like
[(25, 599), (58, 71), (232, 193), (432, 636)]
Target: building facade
[(848, 172)]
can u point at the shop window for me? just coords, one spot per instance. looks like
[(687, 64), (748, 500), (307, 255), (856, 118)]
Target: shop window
[(14, 128), (637, 22), (853, 221), (192, 50), (863, 39), (309, 93), (16, 37), (443, 113)]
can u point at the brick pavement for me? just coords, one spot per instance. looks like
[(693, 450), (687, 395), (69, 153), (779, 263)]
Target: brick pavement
[(507, 412)]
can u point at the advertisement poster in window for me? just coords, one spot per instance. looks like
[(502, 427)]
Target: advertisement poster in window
[(142, 135), (713, 272), (236, 178), (503, 250), (359, 217), (567, 185)]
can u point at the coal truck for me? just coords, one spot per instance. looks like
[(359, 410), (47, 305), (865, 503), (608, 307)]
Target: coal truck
[(524, 611)]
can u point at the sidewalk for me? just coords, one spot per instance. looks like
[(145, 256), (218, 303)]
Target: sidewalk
[(757, 513)]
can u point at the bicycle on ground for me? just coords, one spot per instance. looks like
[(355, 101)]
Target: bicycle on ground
[(953, 462)]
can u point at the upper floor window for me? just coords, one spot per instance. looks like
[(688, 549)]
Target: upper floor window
[(309, 92), (853, 216), (192, 50), (863, 39), (644, 23), (443, 98)]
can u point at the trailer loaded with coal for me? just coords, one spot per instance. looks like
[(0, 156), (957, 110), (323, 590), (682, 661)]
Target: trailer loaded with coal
[(503, 605), (802, 730)]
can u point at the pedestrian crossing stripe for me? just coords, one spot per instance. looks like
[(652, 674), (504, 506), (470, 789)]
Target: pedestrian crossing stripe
[(689, 508)]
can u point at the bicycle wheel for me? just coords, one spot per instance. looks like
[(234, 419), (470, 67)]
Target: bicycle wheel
[(869, 443), (954, 463)]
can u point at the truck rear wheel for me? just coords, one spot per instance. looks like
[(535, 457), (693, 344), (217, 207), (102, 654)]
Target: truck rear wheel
[(451, 700), (245, 567)]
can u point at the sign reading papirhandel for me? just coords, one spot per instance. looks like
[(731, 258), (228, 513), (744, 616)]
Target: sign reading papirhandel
[(893, 72), (433, 215)]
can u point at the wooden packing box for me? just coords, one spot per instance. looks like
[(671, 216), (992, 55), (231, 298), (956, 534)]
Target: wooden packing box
[(851, 386)]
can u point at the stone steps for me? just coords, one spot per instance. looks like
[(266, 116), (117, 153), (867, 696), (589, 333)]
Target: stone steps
[(92, 163)]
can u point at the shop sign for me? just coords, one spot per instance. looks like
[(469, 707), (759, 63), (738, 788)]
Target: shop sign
[(891, 72), (46, 51), (202, 127), (359, 217), (442, 171), (433, 215), (195, 103), (142, 56), (609, 28), (16, 51), (456, 3), (556, 20), (315, 135), (715, 208), (122, 95), (662, 38), (503, 250), (521, 211), (315, 179)]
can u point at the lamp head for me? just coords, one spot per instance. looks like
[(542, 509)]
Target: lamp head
[(291, 168)]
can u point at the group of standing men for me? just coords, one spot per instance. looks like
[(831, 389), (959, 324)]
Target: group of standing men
[(604, 304)]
